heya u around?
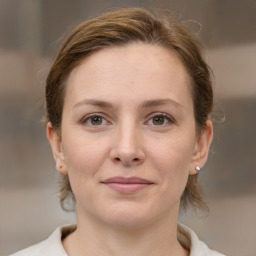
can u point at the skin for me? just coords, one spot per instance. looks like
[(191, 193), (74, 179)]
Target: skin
[(144, 127)]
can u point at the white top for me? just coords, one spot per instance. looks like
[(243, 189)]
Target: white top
[(53, 245)]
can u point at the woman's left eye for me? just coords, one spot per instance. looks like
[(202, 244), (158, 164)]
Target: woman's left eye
[(160, 120)]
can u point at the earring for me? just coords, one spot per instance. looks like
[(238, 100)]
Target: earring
[(197, 168)]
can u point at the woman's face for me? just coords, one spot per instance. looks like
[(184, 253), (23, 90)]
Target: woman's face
[(128, 138)]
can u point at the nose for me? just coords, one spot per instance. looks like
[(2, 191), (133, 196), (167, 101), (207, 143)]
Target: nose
[(127, 148)]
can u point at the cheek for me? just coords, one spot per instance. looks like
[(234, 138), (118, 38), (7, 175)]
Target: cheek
[(83, 155), (172, 158), (84, 158)]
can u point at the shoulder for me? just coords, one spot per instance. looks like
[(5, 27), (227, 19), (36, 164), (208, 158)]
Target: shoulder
[(189, 239), (50, 246)]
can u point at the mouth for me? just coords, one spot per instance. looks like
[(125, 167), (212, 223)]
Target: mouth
[(127, 185)]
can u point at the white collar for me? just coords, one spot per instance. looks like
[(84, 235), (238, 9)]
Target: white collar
[(53, 245)]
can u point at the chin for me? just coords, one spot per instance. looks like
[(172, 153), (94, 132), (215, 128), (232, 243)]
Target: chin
[(128, 216)]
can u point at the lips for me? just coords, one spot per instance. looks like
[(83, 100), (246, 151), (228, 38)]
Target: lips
[(127, 185)]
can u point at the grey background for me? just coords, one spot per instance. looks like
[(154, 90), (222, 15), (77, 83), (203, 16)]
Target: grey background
[(30, 33)]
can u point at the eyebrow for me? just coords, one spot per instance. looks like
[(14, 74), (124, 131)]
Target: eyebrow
[(94, 102), (159, 102), (145, 104)]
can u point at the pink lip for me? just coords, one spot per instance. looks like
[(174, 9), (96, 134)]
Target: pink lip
[(127, 185)]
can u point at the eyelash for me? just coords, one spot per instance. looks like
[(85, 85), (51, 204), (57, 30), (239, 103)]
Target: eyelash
[(89, 117), (167, 118)]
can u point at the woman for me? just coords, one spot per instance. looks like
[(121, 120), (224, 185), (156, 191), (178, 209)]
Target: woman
[(127, 100)]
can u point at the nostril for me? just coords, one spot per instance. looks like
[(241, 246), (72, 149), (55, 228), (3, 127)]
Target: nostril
[(126, 161)]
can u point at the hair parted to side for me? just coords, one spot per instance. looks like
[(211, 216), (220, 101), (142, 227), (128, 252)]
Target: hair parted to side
[(118, 28)]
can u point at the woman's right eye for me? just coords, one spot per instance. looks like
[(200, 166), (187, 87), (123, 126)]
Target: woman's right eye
[(94, 120)]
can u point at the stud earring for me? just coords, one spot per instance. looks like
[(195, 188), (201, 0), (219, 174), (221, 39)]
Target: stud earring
[(197, 168)]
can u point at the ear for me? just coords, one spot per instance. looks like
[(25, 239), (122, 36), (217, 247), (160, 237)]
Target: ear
[(54, 139), (202, 147)]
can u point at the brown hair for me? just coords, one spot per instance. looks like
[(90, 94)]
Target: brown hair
[(122, 27)]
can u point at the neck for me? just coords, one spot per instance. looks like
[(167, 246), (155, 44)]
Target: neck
[(94, 238)]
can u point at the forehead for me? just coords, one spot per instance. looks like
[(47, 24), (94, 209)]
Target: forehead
[(139, 68)]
